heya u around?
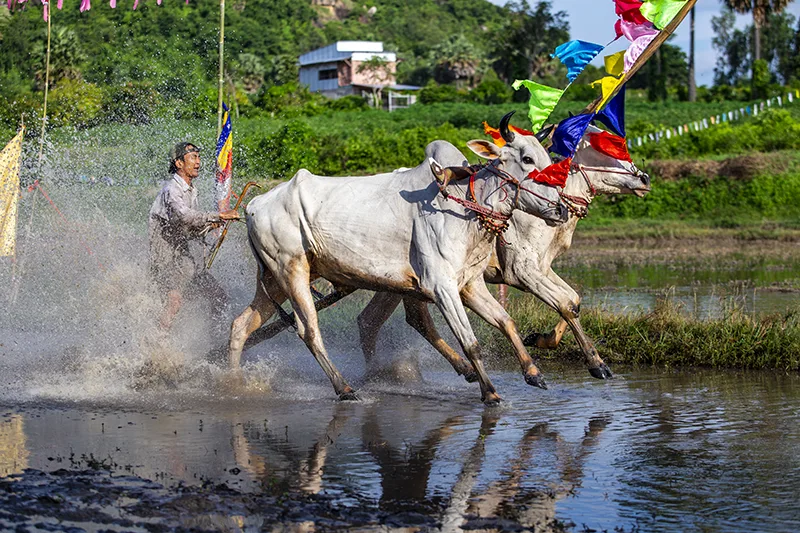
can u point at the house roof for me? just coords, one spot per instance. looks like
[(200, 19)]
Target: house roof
[(342, 50)]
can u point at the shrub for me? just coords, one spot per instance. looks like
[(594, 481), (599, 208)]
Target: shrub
[(135, 102), (74, 103), (433, 93)]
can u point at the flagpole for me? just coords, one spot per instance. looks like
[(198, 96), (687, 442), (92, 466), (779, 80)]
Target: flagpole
[(662, 36), (221, 69)]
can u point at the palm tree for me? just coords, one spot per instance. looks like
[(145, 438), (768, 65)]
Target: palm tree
[(760, 10)]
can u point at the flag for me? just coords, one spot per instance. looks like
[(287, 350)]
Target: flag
[(661, 12), (576, 55), (224, 171), (629, 10), (640, 36), (569, 133), (9, 194), (613, 115), (542, 102)]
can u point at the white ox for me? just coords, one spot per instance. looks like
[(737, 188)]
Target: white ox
[(525, 263), (391, 232)]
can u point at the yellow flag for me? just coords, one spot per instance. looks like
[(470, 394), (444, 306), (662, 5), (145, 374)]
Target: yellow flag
[(9, 194), (615, 63)]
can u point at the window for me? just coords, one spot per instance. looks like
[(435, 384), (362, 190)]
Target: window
[(328, 74)]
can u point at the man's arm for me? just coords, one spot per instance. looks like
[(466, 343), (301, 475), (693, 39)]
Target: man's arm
[(191, 218)]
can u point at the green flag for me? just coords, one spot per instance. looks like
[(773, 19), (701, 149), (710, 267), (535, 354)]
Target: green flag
[(543, 101), (661, 12)]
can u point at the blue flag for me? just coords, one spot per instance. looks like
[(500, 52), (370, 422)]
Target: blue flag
[(613, 115), (569, 133), (576, 55)]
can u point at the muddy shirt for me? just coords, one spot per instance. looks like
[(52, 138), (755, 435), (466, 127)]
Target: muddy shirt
[(176, 235)]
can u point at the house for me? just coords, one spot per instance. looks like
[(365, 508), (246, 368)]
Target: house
[(339, 70)]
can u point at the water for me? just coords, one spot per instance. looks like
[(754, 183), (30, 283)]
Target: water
[(755, 277), (649, 451)]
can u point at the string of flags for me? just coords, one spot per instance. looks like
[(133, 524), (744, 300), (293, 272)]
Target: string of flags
[(85, 5), (705, 123), (640, 22)]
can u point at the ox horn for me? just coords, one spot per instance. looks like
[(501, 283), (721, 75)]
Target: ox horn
[(545, 133), (508, 136)]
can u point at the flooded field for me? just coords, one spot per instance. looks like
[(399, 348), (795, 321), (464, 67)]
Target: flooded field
[(707, 278), (108, 425), (649, 451)]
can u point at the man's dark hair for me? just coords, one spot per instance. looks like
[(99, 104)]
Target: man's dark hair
[(177, 153)]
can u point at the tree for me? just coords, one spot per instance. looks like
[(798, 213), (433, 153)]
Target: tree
[(523, 44), (760, 9), (379, 72), (456, 59), (250, 72), (732, 47), (66, 54), (777, 46)]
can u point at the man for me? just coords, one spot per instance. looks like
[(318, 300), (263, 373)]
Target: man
[(177, 229)]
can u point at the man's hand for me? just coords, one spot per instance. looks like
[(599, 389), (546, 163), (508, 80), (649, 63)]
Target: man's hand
[(230, 215)]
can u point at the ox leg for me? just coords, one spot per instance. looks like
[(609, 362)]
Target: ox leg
[(257, 313), (307, 323), (556, 293), (418, 317), (370, 321), (449, 303), (478, 298), (548, 341)]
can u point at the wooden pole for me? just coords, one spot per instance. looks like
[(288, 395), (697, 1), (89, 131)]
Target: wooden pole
[(221, 65), (46, 83), (662, 36)]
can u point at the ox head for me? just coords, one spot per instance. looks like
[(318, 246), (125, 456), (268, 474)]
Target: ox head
[(523, 157), (607, 165)]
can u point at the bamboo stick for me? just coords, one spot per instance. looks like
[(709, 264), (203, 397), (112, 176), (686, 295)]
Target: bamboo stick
[(221, 66), (46, 84), (647, 54)]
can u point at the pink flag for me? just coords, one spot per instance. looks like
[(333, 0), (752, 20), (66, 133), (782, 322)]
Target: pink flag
[(86, 5), (60, 3), (113, 4), (45, 10), (135, 4), (640, 36)]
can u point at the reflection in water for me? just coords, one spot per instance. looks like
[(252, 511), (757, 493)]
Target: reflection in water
[(13, 450), (659, 452)]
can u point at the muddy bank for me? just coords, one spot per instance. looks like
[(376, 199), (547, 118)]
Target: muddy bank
[(739, 167)]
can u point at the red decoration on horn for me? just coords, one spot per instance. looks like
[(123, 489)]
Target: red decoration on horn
[(610, 145)]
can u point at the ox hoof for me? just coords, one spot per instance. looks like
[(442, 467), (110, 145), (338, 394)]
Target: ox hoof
[(531, 339), (349, 396), (492, 400), (471, 377), (601, 372), (536, 381)]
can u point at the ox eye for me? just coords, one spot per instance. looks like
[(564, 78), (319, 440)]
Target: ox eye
[(527, 160)]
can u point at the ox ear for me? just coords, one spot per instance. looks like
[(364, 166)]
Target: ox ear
[(484, 149)]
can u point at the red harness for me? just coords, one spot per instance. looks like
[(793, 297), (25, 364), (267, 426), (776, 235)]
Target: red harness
[(493, 221)]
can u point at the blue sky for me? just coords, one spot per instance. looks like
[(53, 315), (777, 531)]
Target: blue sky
[(593, 20)]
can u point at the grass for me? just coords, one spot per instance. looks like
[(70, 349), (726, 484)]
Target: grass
[(666, 337)]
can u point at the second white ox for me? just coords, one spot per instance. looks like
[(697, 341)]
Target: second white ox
[(391, 232), (526, 262)]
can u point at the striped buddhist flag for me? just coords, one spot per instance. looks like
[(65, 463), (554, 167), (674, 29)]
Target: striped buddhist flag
[(224, 171), (9, 194)]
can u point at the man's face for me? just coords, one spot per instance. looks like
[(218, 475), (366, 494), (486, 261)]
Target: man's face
[(189, 165)]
